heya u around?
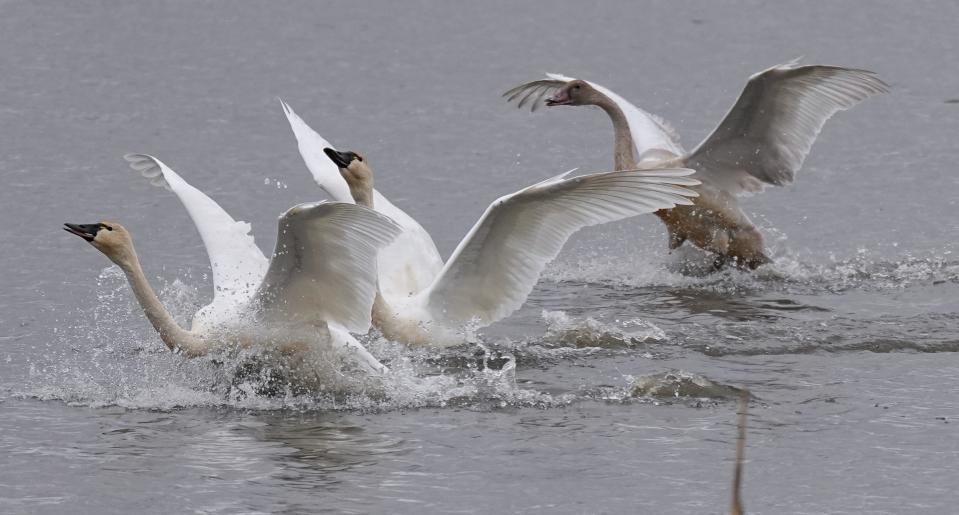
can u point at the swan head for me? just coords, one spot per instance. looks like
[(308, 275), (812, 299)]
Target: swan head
[(574, 93), (355, 171), (110, 238)]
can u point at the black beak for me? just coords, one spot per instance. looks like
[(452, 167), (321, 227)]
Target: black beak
[(342, 159), (86, 231)]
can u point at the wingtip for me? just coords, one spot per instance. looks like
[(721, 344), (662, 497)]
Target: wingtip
[(135, 158), (287, 110), (150, 168), (881, 85)]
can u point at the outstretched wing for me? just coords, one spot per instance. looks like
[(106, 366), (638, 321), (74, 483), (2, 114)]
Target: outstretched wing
[(654, 138), (324, 265), (767, 134), (238, 264), (495, 267)]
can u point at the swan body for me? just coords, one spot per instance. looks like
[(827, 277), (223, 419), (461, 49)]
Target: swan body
[(317, 287), (411, 262), (763, 140), (499, 261)]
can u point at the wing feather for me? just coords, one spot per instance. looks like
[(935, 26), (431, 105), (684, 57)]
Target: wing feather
[(769, 131), (495, 267), (238, 265), (311, 145), (324, 265)]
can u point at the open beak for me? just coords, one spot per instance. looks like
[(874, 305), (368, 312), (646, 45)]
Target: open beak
[(85, 231), (559, 98), (342, 159)]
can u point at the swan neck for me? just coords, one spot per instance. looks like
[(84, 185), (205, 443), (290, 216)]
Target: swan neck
[(624, 148), (362, 195), (364, 199), (174, 336)]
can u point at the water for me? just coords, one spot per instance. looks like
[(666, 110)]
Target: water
[(848, 342)]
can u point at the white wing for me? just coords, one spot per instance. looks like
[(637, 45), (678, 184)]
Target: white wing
[(653, 137), (411, 262), (495, 267), (324, 266), (311, 146), (767, 134), (238, 264)]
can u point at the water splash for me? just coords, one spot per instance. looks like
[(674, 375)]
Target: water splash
[(562, 329), (108, 355), (677, 384), (790, 272)]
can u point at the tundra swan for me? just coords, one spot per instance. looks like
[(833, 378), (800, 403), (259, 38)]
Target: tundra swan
[(316, 289)]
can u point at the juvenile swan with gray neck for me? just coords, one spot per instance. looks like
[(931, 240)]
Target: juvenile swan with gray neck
[(763, 140)]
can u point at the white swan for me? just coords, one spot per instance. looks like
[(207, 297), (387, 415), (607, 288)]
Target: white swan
[(499, 261), (411, 262), (763, 140), (316, 289)]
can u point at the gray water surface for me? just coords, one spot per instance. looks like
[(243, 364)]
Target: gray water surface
[(848, 342)]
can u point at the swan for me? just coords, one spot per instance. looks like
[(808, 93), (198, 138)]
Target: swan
[(411, 262), (498, 262), (316, 289), (763, 140)]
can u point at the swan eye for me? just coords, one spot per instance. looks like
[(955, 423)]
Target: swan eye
[(107, 227)]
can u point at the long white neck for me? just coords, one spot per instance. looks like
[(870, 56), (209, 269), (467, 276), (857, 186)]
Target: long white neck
[(174, 336)]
